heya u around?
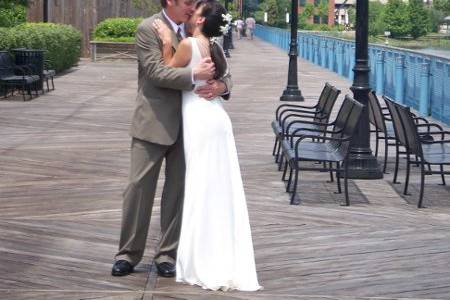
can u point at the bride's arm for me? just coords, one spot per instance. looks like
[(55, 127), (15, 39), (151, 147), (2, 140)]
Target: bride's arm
[(183, 54)]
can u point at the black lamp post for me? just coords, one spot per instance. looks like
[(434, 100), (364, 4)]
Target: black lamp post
[(226, 37), (292, 93), (361, 163)]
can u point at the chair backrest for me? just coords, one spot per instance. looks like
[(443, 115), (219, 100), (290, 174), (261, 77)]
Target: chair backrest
[(324, 96), (396, 121), (376, 116), (6, 64), (323, 115), (342, 117), (413, 145), (351, 111)]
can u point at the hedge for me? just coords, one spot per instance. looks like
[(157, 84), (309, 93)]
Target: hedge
[(117, 29), (12, 15), (62, 42)]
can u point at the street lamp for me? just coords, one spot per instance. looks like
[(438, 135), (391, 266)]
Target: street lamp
[(361, 163), (292, 93)]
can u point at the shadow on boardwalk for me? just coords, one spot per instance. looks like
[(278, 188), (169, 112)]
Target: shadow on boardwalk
[(64, 163)]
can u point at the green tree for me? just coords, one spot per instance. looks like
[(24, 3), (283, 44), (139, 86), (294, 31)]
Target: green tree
[(435, 18), (376, 24), (11, 3), (396, 18), (443, 6), (322, 11), (418, 17)]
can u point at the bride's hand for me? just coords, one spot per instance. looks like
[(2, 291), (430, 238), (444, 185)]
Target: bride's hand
[(163, 31)]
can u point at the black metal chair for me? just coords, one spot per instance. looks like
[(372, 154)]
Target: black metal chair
[(322, 148), (427, 152), (16, 77), (382, 125), (319, 112), (400, 134), (48, 74)]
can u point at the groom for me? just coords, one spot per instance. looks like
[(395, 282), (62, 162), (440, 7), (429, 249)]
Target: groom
[(156, 132)]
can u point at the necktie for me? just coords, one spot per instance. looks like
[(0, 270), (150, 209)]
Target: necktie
[(179, 35)]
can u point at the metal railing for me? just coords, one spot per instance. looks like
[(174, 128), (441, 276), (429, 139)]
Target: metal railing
[(409, 77)]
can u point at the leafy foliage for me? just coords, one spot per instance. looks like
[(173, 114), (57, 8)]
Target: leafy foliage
[(418, 17), (117, 28), (443, 6), (396, 18), (376, 22), (12, 15), (61, 42)]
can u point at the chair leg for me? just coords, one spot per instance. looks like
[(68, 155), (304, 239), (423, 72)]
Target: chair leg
[(441, 167), (278, 152), (376, 142), (386, 154), (338, 177), (286, 163), (275, 146), (46, 82), (408, 169), (397, 150), (422, 185), (347, 200), (28, 88), (53, 84), (289, 183), (280, 158), (294, 199), (331, 172)]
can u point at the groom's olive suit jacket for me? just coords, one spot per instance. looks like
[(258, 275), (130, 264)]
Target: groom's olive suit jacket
[(157, 116)]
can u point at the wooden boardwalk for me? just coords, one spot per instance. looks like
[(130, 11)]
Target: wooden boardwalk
[(64, 160)]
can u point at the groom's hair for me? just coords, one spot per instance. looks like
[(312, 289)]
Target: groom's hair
[(213, 13), (164, 3)]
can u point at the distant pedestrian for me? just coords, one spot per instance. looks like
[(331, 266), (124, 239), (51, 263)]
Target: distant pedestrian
[(239, 27), (250, 24)]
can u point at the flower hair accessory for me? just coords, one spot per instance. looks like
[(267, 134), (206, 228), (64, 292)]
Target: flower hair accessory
[(227, 19)]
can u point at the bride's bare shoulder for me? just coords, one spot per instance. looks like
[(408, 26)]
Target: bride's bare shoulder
[(185, 47)]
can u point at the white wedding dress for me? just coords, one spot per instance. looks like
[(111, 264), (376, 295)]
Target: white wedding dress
[(215, 249)]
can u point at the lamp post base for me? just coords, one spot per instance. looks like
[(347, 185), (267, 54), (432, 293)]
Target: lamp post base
[(363, 166), (292, 94)]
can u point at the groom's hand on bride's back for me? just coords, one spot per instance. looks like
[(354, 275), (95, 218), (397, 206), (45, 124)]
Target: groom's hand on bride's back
[(204, 70), (211, 90)]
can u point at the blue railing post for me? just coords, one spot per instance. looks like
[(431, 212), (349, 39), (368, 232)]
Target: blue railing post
[(300, 44), (323, 53), (424, 98), (340, 58), (331, 55), (380, 73), (351, 62), (316, 51), (399, 79)]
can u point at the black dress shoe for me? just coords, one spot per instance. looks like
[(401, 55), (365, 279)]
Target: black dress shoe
[(166, 269), (121, 268)]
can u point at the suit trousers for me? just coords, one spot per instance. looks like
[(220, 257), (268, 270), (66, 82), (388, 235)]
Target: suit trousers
[(146, 161)]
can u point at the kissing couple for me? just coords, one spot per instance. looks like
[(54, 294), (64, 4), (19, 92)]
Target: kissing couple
[(179, 118)]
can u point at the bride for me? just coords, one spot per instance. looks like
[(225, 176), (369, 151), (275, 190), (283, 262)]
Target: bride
[(215, 250)]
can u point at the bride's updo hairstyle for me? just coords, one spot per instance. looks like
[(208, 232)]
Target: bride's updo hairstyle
[(213, 13)]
